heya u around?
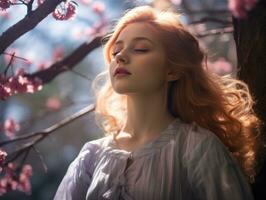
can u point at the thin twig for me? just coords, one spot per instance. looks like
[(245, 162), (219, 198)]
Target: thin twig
[(27, 151), (79, 74), (29, 7), (15, 154), (52, 128), (22, 2), (9, 64), (17, 57), (68, 62), (15, 4), (41, 158)]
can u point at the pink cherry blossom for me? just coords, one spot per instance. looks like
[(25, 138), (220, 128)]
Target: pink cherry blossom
[(20, 72), (5, 4), (239, 8), (14, 180), (99, 28), (220, 66), (11, 127), (3, 186), (4, 94), (34, 85), (19, 84), (39, 2), (4, 14), (24, 184), (58, 53), (8, 55), (41, 65), (8, 180), (3, 155), (98, 7), (53, 103), (27, 170), (65, 11), (16, 84)]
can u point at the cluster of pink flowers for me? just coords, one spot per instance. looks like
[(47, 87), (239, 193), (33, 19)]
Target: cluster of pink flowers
[(98, 7), (13, 180), (39, 2), (10, 127), (18, 84), (221, 66), (4, 14), (3, 155), (239, 8), (5, 4), (65, 11), (99, 27)]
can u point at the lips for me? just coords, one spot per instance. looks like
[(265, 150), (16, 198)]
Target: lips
[(120, 70)]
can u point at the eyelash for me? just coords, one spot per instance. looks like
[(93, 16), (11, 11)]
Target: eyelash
[(138, 50)]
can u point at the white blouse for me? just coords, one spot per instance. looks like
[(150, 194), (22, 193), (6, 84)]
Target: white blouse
[(186, 162)]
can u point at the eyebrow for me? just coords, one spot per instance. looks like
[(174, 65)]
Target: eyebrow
[(136, 39)]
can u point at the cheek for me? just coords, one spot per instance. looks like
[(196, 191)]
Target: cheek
[(152, 67)]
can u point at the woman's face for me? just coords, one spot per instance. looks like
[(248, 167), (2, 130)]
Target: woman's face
[(138, 50)]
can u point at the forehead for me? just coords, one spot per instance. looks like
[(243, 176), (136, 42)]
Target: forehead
[(138, 30)]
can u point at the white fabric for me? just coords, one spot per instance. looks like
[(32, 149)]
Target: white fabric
[(186, 162)]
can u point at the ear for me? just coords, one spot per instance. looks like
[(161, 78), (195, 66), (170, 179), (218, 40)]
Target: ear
[(172, 75)]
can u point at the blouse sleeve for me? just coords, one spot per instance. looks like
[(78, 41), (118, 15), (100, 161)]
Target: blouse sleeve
[(78, 176), (212, 172)]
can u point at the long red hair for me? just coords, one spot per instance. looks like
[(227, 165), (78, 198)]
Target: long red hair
[(221, 104)]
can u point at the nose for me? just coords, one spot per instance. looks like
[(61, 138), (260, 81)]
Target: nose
[(121, 57)]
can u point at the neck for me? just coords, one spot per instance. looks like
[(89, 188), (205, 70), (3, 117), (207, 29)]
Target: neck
[(147, 115)]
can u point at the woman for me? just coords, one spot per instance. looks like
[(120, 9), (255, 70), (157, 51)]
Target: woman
[(174, 130)]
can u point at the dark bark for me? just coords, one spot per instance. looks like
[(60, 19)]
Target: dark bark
[(66, 63), (26, 24), (250, 38)]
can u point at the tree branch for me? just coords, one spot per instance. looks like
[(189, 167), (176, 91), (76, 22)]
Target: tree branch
[(27, 23), (45, 132), (68, 62)]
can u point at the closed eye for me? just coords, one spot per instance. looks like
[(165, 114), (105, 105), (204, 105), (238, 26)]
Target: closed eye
[(141, 50), (137, 50)]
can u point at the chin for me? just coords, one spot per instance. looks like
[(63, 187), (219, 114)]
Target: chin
[(121, 90)]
